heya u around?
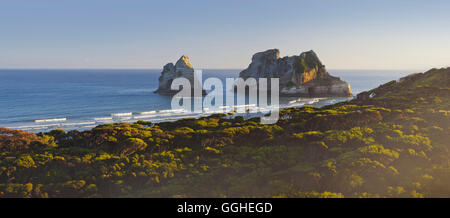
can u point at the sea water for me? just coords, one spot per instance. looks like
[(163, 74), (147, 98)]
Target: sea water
[(42, 100)]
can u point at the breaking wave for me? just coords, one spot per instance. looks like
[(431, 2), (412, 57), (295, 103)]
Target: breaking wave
[(51, 120)]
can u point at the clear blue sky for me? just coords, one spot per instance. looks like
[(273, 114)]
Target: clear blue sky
[(381, 34)]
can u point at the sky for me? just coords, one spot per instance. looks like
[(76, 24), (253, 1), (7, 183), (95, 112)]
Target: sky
[(223, 34)]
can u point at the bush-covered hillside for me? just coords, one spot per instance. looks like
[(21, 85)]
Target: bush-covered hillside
[(392, 141)]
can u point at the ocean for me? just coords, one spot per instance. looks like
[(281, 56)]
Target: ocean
[(42, 100)]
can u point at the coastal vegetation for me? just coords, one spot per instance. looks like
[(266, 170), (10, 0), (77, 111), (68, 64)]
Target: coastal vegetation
[(393, 141)]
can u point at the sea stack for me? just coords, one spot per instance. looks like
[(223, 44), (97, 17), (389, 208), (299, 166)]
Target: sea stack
[(303, 75), (182, 68)]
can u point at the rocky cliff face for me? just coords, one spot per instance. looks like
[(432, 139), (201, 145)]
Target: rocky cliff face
[(182, 68), (302, 75)]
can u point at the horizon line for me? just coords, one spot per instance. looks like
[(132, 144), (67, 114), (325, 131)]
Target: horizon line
[(331, 69)]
